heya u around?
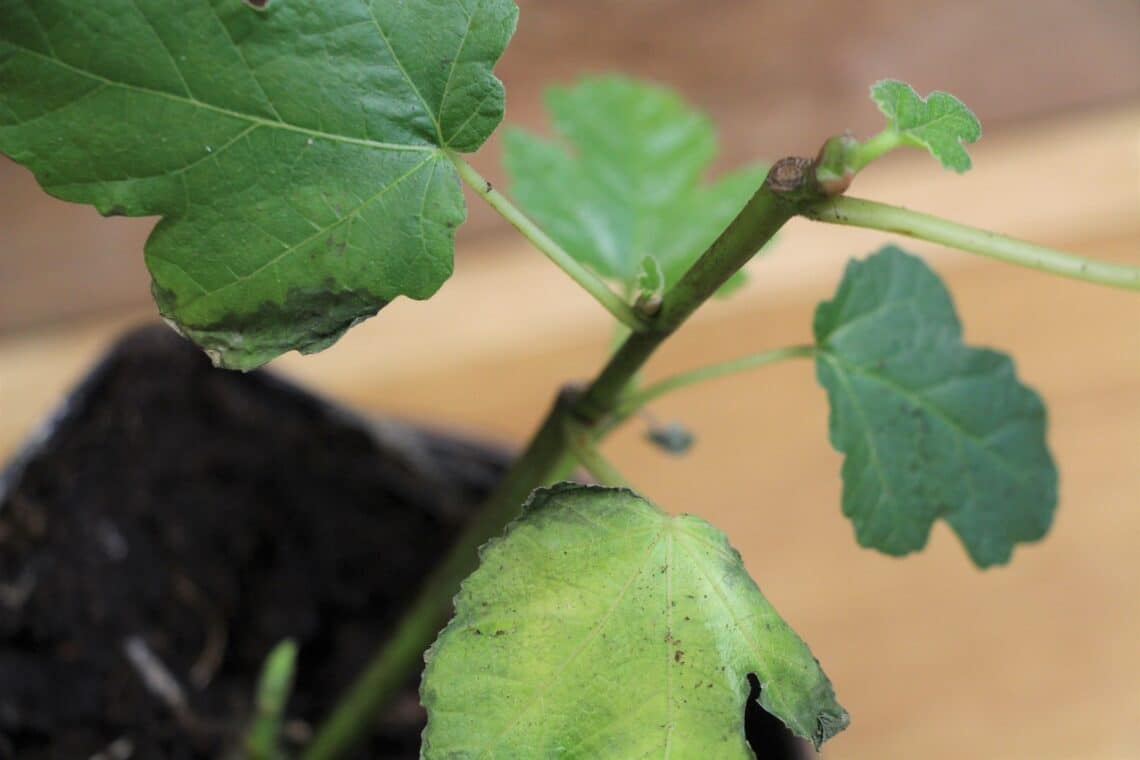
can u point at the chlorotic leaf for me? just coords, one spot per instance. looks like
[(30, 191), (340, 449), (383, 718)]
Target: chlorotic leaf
[(599, 626), (629, 182), (940, 122), (930, 427), (297, 154)]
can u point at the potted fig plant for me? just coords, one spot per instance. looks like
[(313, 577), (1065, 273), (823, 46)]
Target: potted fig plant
[(307, 163)]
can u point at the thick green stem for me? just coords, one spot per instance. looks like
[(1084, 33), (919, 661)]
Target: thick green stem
[(394, 664), (589, 281), (856, 212), (634, 401), (790, 184)]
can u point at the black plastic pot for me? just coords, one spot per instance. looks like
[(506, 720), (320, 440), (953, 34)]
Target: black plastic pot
[(173, 521)]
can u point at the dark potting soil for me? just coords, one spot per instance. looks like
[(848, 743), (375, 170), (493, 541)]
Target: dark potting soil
[(180, 521), (207, 515)]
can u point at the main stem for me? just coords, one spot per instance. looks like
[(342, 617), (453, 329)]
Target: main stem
[(790, 185)]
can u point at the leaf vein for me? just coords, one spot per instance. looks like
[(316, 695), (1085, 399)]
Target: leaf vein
[(241, 54), (346, 218), (931, 408), (229, 112), (593, 633), (399, 64), (451, 75), (165, 49)]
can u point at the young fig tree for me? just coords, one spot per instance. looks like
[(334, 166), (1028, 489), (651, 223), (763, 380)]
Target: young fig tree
[(306, 161)]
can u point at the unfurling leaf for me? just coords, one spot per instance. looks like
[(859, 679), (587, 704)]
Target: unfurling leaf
[(930, 427), (629, 184), (650, 278), (940, 122), (599, 626), (296, 154)]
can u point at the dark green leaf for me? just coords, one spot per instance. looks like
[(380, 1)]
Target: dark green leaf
[(630, 185), (940, 122), (295, 154), (601, 627), (930, 427)]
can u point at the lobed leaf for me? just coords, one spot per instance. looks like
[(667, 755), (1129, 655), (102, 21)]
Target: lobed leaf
[(930, 427), (628, 183), (296, 154), (599, 626), (940, 122)]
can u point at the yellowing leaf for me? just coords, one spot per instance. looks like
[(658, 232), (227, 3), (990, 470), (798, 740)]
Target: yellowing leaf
[(599, 626)]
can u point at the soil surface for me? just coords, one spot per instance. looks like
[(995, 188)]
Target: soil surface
[(202, 516), (179, 521)]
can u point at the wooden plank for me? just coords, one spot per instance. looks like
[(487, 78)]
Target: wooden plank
[(933, 658), (777, 78)]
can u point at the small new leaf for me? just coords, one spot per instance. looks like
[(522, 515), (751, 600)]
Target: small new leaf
[(599, 626), (930, 427), (650, 286), (650, 278), (296, 154), (628, 182), (940, 122)]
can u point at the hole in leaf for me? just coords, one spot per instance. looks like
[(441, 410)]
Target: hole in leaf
[(767, 735)]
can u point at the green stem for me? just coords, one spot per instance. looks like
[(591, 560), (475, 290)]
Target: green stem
[(790, 184), (589, 281), (396, 661), (634, 401), (856, 212), (870, 149), (581, 443), (263, 739)]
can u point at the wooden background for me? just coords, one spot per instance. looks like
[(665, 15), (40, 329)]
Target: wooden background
[(933, 658), (777, 77)]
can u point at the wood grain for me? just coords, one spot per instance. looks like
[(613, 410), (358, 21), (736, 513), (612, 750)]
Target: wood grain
[(933, 658), (777, 78)]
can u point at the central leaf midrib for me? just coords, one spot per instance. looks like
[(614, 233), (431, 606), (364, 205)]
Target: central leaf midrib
[(254, 119), (411, 82), (932, 121), (316, 235), (590, 636), (845, 366)]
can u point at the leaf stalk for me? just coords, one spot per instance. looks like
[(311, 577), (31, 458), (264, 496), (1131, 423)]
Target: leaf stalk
[(632, 402), (585, 450), (857, 212), (588, 280)]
